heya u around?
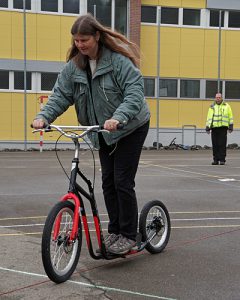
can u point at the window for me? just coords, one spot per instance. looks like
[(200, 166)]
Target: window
[(149, 14), (49, 5), (212, 88), (71, 6), (149, 87), (4, 3), (48, 80), (190, 88), (168, 87), (232, 89), (4, 80), (234, 19), (19, 80), (214, 18), (191, 17), (169, 15), (18, 4), (103, 10), (121, 16)]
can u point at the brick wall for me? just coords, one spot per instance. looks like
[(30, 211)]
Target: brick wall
[(135, 21)]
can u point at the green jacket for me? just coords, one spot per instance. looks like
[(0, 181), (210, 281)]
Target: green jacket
[(219, 115), (117, 92)]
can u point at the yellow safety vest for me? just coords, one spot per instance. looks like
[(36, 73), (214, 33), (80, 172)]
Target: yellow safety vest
[(219, 115)]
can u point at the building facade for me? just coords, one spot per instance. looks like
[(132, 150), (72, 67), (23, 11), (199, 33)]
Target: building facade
[(189, 52)]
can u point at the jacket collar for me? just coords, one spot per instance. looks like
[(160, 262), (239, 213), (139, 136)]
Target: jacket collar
[(105, 62)]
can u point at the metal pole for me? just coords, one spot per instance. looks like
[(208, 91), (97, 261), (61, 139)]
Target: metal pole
[(25, 74), (95, 10), (219, 49), (158, 74)]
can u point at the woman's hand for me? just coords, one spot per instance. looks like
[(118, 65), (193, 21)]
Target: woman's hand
[(111, 124), (38, 123)]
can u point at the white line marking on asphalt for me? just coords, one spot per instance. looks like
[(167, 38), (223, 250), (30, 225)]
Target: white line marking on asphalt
[(92, 230), (178, 220), (172, 212), (105, 288), (227, 179)]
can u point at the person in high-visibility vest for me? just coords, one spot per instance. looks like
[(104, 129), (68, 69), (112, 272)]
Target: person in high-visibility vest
[(219, 122)]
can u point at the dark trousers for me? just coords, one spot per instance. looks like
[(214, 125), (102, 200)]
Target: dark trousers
[(219, 143), (119, 165)]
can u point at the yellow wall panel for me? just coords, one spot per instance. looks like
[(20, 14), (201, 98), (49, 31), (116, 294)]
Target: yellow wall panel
[(232, 55), (17, 116), (174, 3), (211, 54), (6, 117), (194, 3), (48, 37), (190, 113), (149, 2), (5, 34), (66, 25), (236, 113), (191, 53), (148, 46), (31, 33), (152, 104), (169, 53), (17, 36), (169, 113)]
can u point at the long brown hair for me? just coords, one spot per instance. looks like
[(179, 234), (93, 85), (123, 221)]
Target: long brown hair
[(88, 25)]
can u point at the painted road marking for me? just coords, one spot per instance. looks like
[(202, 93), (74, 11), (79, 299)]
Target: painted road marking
[(92, 230), (105, 288)]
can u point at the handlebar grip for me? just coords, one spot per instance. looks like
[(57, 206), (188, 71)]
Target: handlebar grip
[(45, 126), (120, 126)]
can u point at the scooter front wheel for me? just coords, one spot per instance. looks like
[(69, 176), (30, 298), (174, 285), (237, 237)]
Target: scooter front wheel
[(60, 254), (155, 226)]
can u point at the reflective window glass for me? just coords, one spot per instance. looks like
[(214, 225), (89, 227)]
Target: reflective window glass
[(168, 87), (19, 80), (18, 4), (149, 87), (4, 80), (232, 89), (169, 15), (71, 6), (48, 80), (121, 16), (234, 19), (49, 5), (190, 88), (191, 17), (4, 3), (103, 10), (149, 14), (212, 88), (214, 18)]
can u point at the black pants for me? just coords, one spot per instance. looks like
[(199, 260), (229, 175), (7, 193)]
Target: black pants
[(219, 143), (118, 181)]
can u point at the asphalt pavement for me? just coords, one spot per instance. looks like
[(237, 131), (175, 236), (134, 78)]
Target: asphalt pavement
[(201, 260)]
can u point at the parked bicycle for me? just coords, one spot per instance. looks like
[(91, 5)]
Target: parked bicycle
[(62, 233)]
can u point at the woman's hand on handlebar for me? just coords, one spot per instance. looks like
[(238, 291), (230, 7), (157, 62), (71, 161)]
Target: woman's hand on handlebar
[(111, 124), (38, 124)]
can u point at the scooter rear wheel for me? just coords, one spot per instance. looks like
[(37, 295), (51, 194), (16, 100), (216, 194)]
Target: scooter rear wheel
[(155, 226)]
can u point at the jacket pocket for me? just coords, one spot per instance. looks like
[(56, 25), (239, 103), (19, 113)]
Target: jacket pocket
[(81, 102), (109, 91)]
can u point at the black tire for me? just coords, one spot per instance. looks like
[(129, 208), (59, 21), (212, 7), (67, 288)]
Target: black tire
[(59, 257), (154, 219)]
